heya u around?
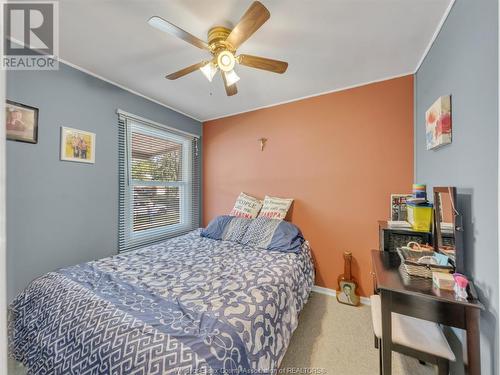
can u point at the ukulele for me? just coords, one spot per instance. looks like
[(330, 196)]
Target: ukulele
[(347, 285)]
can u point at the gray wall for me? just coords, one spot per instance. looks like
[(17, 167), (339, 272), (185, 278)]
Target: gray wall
[(62, 213), (463, 62)]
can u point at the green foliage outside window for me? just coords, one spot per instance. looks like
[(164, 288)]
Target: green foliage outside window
[(164, 167)]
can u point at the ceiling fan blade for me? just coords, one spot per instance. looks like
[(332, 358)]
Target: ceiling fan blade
[(254, 17), (187, 70), (263, 63), (230, 90), (170, 28)]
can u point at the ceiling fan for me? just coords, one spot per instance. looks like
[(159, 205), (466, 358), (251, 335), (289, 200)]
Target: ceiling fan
[(222, 44)]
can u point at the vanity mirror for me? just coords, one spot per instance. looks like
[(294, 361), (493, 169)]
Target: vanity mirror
[(448, 230)]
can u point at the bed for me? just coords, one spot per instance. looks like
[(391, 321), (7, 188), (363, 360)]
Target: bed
[(189, 305)]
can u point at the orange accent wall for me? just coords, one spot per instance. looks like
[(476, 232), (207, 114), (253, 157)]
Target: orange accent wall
[(339, 155)]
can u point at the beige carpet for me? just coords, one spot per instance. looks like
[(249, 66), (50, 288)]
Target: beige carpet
[(331, 339), (337, 339)]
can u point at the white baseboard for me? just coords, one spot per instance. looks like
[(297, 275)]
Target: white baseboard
[(333, 293), (323, 290)]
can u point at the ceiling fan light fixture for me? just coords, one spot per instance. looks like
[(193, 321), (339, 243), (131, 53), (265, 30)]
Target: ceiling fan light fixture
[(209, 70), (231, 77), (222, 44), (226, 61)]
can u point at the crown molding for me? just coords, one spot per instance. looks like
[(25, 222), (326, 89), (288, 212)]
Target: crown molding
[(203, 120), (95, 75), (435, 35), (314, 95)]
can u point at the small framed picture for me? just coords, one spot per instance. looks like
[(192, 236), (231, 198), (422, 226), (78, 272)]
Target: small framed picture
[(21, 122), (77, 145), (398, 206), (438, 124), (347, 294)]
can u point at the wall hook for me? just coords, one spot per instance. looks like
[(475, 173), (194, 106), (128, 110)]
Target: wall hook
[(262, 143)]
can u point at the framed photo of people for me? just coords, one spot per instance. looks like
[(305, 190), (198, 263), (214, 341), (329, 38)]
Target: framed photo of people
[(21, 122), (77, 145)]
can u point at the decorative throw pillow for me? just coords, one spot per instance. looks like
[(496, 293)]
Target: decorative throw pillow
[(227, 228), (275, 208), (236, 229), (246, 206), (273, 234)]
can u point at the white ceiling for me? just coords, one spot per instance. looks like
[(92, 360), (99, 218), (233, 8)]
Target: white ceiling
[(329, 44)]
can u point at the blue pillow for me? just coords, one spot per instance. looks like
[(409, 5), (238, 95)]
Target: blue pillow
[(215, 229), (262, 232), (227, 228), (273, 234)]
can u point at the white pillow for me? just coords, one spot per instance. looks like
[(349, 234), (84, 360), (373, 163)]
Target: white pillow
[(246, 206), (275, 208)]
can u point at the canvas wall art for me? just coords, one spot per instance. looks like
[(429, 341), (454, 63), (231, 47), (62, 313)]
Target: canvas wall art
[(438, 123), (77, 145), (21, 122)]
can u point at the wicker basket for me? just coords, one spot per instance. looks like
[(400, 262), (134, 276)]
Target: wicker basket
[(409, 259)]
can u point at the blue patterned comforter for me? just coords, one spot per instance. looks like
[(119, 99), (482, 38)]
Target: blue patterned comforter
[(190, 305)]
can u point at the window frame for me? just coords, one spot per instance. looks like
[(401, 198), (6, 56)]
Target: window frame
[(133, 239)]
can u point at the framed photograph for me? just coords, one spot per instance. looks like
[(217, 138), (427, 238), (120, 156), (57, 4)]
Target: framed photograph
[(438, 123), (347, 294), (398, 206), (77, 145), (21, 122)]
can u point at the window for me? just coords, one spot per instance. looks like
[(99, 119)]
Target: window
[(159, 182)]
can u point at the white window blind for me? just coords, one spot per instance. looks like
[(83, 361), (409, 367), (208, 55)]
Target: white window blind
[(159, 182)]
